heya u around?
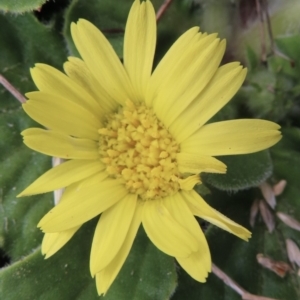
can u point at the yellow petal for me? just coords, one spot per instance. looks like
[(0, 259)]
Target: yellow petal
[(57, 144), (63, 175), (92, 180), (232, 137), (60, 114), (77, 70), (82, 206), (182, 214), (194, 163), (196, 78), (192, 73), (194, 264), (222, 87), (139, 45), (105, 278), (52, 81), (169, 61), (52, 242), (198, 264), (111, 232), (165, 232), (102, 61), (189, 182), (201, 209)]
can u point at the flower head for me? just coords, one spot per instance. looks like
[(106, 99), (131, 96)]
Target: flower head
[(136, 141)]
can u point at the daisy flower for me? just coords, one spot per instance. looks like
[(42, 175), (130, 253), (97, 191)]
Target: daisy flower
[(135, 142)]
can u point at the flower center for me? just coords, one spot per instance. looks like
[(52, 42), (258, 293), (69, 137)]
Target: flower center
[(139, 150)]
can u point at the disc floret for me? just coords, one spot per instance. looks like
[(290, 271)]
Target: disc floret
[(138, 150)]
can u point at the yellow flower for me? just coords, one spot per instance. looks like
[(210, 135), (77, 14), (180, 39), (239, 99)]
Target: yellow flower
[(135, 142)]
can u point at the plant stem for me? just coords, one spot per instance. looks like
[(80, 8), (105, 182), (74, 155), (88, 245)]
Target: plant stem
[(57, 193), (269, 26), (163, 9), (236, 287), (262, 30), (10, 88)]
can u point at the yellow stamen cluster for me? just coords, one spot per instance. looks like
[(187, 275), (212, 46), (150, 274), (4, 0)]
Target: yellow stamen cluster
[(139, 150)]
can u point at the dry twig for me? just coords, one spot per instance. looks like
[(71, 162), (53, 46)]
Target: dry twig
[(268, 193), (293, 252), (253, 212), (278, 267), (279, 187), (236, 287), (288, 220), (267, 216)]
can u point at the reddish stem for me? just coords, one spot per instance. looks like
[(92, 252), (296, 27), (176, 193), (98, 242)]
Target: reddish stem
[(9, 87), (163, 9)]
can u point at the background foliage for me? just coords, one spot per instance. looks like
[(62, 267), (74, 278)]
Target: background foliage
[(33, 31)]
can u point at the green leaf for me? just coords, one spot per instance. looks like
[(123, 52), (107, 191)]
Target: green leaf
[(37, 42), (218, 16), (289, 142), (25, 42), (147, 273), (243, 171), (270, 91), (106, 15), (63, 276), (252, 58), (290, 46), (283, 66), (20, 6)]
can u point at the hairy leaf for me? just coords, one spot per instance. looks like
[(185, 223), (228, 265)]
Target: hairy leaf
[(243, 171), (15, 6)]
